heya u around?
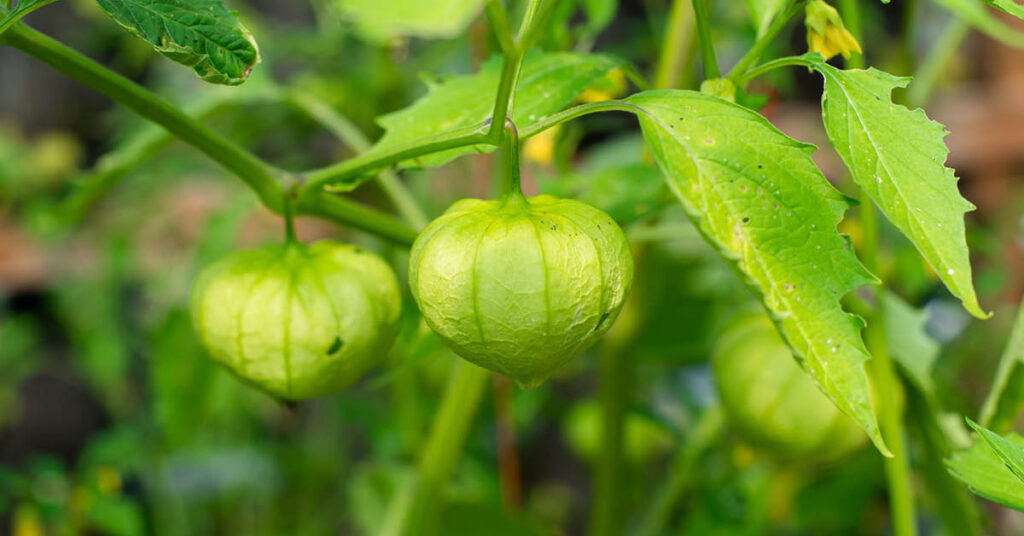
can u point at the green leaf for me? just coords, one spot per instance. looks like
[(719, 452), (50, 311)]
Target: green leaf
[(547, 84), (202, 34), (977, 15), (24, 8), (1008, 6), (911, 347), (898, 157), (384, 20), (992, 468), (1007, 395), (757, 197), (1011, 453)]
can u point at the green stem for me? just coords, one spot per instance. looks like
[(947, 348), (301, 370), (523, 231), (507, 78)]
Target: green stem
[(607, 513), (353, 169), (498, 19), (677, 47), (999, 410), (260, 176), (782, 18), (415, 511), (350, 135), (850, 12), (340, 210), (681, 472), (509, 173), (707, 47), (577, 111), (510, 67), (788, 61), (887, 384), (939, 56)]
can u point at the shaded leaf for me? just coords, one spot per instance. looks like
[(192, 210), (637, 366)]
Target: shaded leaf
[(547, 84), (757, 197), (1008, 451), (202, 34), (910, 346), (898, 157)]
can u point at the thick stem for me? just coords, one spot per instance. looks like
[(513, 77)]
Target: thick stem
[(509, 172), (707, 47), (997, 413), (340, 210), (676, 48), (415, 511), (782, 18), (260, 176), (350, 135), (374, 161), (887, 388)]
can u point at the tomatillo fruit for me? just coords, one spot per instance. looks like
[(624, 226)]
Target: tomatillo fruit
[(297, 321), (771, 401), (521, 286)]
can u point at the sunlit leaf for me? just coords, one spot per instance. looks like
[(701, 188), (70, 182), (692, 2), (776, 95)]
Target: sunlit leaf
[(202, 34), (547, 84), (986, 470), (382, 20), (757, 197), (898, 157)]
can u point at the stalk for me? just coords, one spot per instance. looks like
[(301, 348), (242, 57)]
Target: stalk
[(707, 47)]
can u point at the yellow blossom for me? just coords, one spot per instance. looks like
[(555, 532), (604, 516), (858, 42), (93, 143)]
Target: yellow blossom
[(826, 33)]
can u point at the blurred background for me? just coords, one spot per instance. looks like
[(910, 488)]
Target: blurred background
[(112, 420)]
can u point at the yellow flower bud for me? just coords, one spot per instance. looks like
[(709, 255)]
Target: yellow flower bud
[(826, 33)]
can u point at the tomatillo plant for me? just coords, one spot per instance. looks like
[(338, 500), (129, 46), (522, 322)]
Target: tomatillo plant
[(521, 285)]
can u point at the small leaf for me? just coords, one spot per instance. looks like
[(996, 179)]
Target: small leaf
[(202, 34), (898, 157), (547, 84), (992, 467), (384, 20), (757, 197), (977, 15), (1009, 7)]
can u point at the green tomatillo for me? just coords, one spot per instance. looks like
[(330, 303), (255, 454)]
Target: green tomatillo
[(771, 401), (521, 286), (295, 320)]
